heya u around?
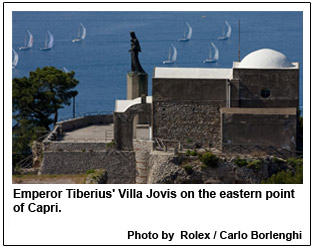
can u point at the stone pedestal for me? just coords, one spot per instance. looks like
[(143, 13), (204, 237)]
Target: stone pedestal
[(137, 85)]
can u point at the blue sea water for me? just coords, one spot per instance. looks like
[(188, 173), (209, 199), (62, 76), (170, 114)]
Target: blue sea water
[(102, 60)]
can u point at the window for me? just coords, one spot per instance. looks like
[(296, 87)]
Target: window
[(265, 93)]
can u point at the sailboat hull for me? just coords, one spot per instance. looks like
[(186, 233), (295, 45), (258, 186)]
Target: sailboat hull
[(168, 62), (209, 61), (45, 48), (24, 48), (184, 39), (223, 38), (76, 40)]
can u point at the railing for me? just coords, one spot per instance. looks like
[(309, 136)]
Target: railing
[(25, 163), (254, 149), (86, 114)]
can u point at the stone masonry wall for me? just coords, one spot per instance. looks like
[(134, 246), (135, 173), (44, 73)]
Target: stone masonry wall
[(283, 85), (120, 165), (182, 121)]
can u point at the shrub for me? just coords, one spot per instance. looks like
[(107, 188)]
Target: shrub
[(254, 164), (191, 153), (188, 140), (188, 169), (240, 162), (278, 160), (286, 177), (90, 171), (110, 145), (294, 161), (209, 159)]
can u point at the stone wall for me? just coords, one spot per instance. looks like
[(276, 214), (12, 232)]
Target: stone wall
[(120, 165), (259, 127), (188, 109), (60, 146), (283, 85), (197, 122)]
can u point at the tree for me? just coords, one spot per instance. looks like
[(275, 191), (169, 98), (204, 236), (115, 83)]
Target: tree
[(35, 100), (41, 95)]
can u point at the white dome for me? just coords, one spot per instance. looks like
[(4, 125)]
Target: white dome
[(265, 58)]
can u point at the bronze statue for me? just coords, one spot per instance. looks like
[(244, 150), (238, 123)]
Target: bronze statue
[(135, 49)]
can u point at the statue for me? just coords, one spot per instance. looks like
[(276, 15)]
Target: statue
[(135, 49)]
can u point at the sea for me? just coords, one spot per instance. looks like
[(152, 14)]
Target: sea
[(102, 60)]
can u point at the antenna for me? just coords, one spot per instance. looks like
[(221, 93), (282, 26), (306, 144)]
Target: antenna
[(238, 40)]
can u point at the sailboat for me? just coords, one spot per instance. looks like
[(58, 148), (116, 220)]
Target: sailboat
[(65, 69), (29, 40), (82, 32), (49, 41), (15, 59), (171, 58), (215, 57), (226, 35), (188, 33)]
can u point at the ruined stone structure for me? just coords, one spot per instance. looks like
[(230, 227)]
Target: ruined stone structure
[(253, 104)]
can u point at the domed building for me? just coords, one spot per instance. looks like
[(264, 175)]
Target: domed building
[(253, 105)]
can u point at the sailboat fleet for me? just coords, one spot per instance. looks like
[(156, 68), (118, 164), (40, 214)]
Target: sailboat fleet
[(173, 53), (213, 49), (48, 43)]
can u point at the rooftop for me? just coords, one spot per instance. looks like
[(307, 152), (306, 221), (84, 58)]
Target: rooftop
[(266, 59), (192, 73)]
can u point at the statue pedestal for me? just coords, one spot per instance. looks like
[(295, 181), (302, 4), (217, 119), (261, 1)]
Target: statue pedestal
[(137, 85)]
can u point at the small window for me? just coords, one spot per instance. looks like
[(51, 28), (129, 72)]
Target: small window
[(265, 93)]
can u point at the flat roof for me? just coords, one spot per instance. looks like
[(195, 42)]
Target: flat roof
[(193, 73)]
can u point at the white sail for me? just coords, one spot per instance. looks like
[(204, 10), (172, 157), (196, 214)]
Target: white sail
[(228, 32), (215, 57), (190, 31), (49, 42), (15, 58), (187, 35), (29, 40), (65, 69), (82, 32), (171, 58), (175, 54)]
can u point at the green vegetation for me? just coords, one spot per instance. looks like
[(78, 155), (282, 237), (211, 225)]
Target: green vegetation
[(240, 162), (209, 159), (254, 164), (36, 101), (191, 153), (289, 176), (188, 169), (110, 145), (90, 171), (188, 140)]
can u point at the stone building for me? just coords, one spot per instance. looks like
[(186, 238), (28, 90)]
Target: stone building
[(248, 108), (253, 104)]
